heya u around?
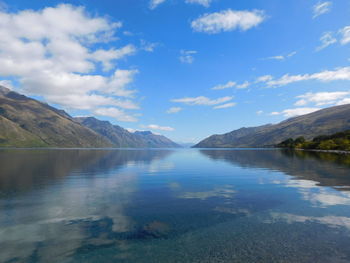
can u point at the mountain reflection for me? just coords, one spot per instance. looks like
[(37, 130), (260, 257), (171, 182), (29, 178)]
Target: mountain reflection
[(21, 170), (326, 169), (156, 206), (70, 202)]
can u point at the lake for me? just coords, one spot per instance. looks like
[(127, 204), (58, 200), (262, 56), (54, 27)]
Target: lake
[(186, 205)]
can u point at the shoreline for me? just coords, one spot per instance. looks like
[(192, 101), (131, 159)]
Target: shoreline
[(324, 151)]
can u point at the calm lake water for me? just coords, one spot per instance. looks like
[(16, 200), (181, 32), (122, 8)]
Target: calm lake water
[(174, 206)]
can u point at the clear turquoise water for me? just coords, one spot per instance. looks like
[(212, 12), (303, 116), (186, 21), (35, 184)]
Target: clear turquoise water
[(174, 206)]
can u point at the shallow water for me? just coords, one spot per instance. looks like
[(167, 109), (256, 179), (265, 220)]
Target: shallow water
[(174, 206)]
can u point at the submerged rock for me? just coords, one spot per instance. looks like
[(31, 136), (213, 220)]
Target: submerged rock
[(155, 229)]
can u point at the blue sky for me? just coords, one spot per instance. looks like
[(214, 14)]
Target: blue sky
[(183, 68)]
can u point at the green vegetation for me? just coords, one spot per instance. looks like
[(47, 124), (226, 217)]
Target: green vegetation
[(339, 141)]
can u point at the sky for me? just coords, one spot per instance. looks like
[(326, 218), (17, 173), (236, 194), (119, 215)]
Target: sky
[(186, 69)]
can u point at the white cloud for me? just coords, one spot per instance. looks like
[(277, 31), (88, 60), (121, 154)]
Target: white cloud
[(324, 76), (119, 81), (54, 52), (327, 39), (344, 101), (205, 3), (201, 100), (244, 85), (6, 83), (131, 130), (174, 110), (148, 46), (295, 112), (259, 112), (264, 78), (157, 127), (228, 85), (322, 98), (283, 57), (224, 106), (277, 57), (345, 33), (128, 33), (115, 113), (155, 3), (228, 20), (321, 8), (187, 56), (107, 56)]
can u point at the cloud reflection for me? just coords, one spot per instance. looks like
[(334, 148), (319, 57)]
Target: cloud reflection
[(332, 221)]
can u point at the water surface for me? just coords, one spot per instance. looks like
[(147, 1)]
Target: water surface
[(174, 206)]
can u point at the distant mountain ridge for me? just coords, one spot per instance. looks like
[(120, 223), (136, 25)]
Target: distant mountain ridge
[(323, 122), (155, 141), (122, 138), (26, 122)]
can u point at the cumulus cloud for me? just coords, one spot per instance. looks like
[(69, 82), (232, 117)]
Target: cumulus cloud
[(226, 105), (119, 82), (201, 100), (295, 112), (115, 113), (326, 39), (55, 52), (321, 8), (322, 98), (174, 110), (106, 57), (205, 3), (228, 85), (187, 56), (228, 20), (157, 127)]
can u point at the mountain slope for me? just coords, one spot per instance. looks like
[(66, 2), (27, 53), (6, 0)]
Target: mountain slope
[(325, 121), (26, 122), (120, 137), (156, 141), (117, 135)]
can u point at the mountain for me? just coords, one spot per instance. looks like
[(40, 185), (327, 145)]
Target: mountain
[(323, 122), (25, 122), (118, 136), (122, 138), (156, 141)]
